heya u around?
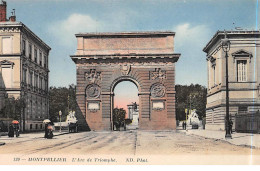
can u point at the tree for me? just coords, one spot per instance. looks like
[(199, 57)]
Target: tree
[(118, 115), (194, 95), (12, 108), (62, 99)]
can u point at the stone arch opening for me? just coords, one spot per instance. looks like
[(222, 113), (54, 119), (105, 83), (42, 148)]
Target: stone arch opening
[(125, 78), (125, 99)]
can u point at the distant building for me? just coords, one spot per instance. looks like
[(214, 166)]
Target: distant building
[(24, 70), (244, 76)]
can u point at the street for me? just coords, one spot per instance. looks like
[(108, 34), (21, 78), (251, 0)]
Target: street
[(126, 143)]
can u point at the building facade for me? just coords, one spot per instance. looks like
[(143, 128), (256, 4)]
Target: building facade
[(24, 72), (243, 75), (145, 58)]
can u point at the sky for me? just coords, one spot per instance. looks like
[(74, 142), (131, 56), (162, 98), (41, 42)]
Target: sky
[(195, 22), (122, 97)]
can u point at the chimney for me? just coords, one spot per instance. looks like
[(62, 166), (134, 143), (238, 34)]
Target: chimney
[(13, 17), (3, 11)]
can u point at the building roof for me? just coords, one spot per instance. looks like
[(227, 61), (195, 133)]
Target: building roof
[(230, 34), (20, 24), (126, 34)]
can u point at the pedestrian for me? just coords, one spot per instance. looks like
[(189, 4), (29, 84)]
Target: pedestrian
[(230, 126), (11, 131), (114, 125), (49, 131), (124, 125), (183, 125), (16, 130), (204, 122), (46, 131)]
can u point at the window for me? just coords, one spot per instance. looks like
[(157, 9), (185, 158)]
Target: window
[(36, 80), (35, 55), (41, 110), (43, 83), (241, 70), (40, 83), (23, 47), (242, 61), (30, 51), (24, 75), (6, 45), (45, 61), (40, 59), (6, 67), (242, 109), (31, 116), (31, 78), (214, 74), (46, 84), (7, 74)]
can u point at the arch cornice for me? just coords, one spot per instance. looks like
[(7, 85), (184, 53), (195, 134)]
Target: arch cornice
[(124, 57)]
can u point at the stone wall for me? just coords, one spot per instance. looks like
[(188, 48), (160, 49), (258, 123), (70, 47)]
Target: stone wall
[(110, 75)]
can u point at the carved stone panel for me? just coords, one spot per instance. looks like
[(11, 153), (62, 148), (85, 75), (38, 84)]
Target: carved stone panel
[(158, 105), (93, 91), (93, 76), (93, 106), (157, 74), (158, 90), (125, 69)]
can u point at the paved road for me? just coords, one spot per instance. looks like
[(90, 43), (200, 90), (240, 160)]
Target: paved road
[(134, 143), (129, 142)]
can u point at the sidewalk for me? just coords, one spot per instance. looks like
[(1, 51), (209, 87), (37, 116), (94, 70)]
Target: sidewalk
[(240, 139)]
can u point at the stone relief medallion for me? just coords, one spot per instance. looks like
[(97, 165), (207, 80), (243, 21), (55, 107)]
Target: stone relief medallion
[(158, 90), (158, 74), (125, 69), (93, 76), (93, 91)]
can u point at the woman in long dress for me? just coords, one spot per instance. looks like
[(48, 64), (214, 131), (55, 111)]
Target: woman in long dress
[(11, 131)]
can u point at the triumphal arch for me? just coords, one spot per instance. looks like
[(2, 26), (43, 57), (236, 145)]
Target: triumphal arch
[(145, 58)]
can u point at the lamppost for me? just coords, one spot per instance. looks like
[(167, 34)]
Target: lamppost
[(190, 106), (60, 113), (226, 47)]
